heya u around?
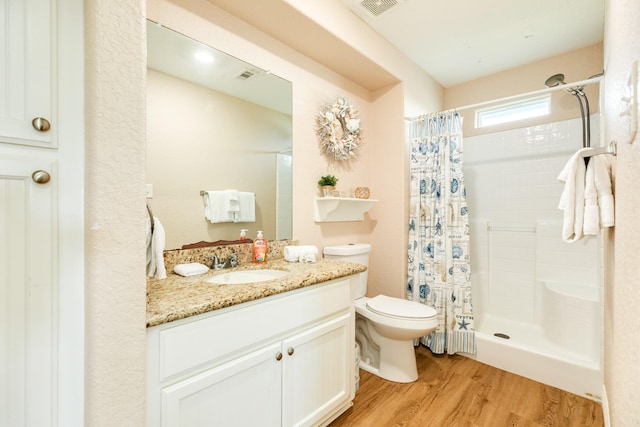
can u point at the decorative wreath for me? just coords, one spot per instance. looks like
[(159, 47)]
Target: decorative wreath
[(339, 130)]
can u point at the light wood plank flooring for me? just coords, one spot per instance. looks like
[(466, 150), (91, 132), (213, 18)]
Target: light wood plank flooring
[(458, 391)]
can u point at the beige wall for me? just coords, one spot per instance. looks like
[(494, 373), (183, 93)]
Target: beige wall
[(622, 277), (577, 65), (115, 292), (200, 139)]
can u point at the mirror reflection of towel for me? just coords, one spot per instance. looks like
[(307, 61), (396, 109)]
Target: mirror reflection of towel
[(247, 212), (216, 207), (232, 200)]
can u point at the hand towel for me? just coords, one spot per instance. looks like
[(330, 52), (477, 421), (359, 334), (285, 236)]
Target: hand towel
[(591, 225), (216, 207), (190, 269), (293, 253), (572, 198), (247, 212), (602, 177), (155, 250), (232, 200)]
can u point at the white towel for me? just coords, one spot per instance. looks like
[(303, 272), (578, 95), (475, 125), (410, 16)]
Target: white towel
[(232, 200), (155, 250), (293, 253), (247, 212), (190, 269), (572, 198), (602, 176), (591, 226), (216, 207)]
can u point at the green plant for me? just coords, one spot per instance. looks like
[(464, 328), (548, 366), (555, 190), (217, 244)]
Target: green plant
[(328, 180)]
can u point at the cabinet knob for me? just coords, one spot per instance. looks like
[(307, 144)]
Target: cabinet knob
[(41, 124), (290, 351), (40, 177), (278, 356)]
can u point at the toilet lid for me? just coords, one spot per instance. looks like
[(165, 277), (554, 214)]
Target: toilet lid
[(397, 307)]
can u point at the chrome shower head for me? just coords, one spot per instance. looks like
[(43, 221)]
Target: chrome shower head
[(555, 80)]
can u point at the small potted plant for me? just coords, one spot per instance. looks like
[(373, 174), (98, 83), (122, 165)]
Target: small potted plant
[(327, 183)]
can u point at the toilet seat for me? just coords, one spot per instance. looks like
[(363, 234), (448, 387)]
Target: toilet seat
[(399, 308)]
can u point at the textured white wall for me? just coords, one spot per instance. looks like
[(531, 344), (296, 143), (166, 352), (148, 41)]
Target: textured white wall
[(622, 299), (115, 213)]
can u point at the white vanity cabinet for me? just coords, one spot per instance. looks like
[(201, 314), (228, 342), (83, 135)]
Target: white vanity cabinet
[(285, 360)]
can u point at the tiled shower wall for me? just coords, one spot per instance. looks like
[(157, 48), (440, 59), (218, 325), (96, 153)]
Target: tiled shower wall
[(513, 194)]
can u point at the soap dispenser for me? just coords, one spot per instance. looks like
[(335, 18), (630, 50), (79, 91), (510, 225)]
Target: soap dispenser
[(259, 249), (243, 234)]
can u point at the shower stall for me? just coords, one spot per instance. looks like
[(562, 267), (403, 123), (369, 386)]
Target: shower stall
[(537, 299)]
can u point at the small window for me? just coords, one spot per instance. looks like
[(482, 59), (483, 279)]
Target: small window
[(514, 111)]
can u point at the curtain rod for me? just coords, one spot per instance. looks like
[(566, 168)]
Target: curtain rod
[(535, 92)]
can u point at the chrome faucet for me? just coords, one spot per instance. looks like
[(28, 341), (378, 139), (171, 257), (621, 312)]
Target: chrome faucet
[(230, 262)]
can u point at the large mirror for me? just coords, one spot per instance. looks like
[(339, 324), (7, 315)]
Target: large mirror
[(214, 123)]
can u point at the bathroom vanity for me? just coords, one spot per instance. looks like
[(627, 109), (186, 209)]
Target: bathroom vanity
[(275, 353)]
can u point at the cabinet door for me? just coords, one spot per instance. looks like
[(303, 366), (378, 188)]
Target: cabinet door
[(27, 295), (318, 372), (243, 392), (27, 71)]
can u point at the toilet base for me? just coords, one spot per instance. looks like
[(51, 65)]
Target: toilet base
[(397, 363)]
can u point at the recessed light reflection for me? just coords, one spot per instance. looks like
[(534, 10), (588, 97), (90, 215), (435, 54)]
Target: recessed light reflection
[(204, 57)]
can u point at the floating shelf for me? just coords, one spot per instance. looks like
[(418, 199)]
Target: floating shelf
[(333, 209)]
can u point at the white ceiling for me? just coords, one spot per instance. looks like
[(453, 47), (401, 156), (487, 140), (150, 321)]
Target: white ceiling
[(456, 41)]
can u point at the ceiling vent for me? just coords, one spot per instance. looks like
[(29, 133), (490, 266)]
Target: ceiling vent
[(246, 74), (375, 8)]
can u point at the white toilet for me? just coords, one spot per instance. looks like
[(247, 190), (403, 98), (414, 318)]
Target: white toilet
[(385, 327)]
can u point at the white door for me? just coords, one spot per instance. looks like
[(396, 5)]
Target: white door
[(27, 61), (317, 372), (242, 393), (27, 293)]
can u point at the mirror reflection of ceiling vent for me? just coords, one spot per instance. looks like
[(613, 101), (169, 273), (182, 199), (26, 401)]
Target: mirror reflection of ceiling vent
[(375, 8), (246, 74)]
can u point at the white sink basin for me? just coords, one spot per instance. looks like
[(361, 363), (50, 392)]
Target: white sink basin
[(246, 276)]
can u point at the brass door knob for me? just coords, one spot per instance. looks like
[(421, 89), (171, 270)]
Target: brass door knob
[(41, 177), (41, 124)]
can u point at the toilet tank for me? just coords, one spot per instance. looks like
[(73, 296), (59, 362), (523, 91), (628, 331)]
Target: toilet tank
[(352, 252)]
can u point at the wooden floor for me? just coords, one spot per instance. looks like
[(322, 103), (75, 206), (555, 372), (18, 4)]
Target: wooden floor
[(458, 391)]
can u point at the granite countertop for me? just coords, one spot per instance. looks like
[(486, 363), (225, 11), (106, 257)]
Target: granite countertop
[(178, 297)]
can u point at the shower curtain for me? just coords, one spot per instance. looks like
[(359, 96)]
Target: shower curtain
[(438, 258)]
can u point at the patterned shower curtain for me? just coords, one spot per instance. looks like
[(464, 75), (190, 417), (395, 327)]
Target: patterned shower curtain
[(438, 269)]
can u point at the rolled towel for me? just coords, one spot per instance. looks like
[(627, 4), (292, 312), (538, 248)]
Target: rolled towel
[(293, 253), (191, 269)]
